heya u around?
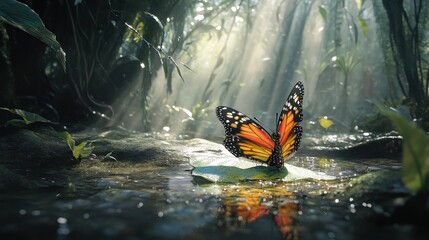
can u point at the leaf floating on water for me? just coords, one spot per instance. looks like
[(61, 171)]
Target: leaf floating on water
[(325, 122), (235, 174), (227, 168)]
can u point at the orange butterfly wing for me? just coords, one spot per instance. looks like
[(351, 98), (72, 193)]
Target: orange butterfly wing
[(244, 137), (288, 123)]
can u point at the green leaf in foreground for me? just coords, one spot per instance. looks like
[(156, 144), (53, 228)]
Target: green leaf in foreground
[(415, 157), (21, 16), (82, 150)]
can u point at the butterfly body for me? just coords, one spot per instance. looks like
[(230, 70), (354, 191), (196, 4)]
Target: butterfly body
[(276, 157), (246, 138)]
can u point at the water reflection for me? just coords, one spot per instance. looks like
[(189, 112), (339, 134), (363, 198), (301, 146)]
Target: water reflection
[(244, 205)]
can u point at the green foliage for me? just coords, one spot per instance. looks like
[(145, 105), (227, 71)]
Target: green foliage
[(415, 158), (362, 23), (21, 16), (363, 26), (27, 117), (323, 13), (359, 4), (403, 44), (347, 62), (80, 151)]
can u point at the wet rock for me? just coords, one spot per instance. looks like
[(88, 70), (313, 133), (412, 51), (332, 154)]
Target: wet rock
[(45, 148), (12, 181), (376, 147), (41, 147), (378, 183)]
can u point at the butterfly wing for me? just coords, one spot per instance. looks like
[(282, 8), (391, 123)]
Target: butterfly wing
[(244, 137), (288, 123)]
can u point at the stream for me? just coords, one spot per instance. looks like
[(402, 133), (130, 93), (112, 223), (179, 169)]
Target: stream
[(112, 200)]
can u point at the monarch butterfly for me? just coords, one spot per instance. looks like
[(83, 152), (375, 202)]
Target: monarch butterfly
[(246, 138)]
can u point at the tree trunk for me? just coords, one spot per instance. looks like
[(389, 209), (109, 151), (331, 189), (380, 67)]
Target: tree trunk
[(404, 44), (7, 83)]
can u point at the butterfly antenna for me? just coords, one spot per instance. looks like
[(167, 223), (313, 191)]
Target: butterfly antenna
[(265, 125), (277, 121)]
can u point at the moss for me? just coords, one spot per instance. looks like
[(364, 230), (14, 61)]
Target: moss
[(11, 181)]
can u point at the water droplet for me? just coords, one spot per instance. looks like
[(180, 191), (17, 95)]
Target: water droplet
[(337, 200), (140, 205), (62, 220), (160, 214), (22, 212), (86, 215), (35, 212)]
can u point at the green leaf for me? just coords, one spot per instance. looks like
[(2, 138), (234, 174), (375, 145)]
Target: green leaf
[(28, 117), (69, 140), (235, 174), (323, 13), (17, 123), (87, 150), (415, 157), (231, 169), (363, 26), (77, 151), (21, 16), (358, 4)]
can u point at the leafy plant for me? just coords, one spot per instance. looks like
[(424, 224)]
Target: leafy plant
[(404, 42), (21, 16), (80, 151), (27, 117), (346, 63), (415, 158)]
